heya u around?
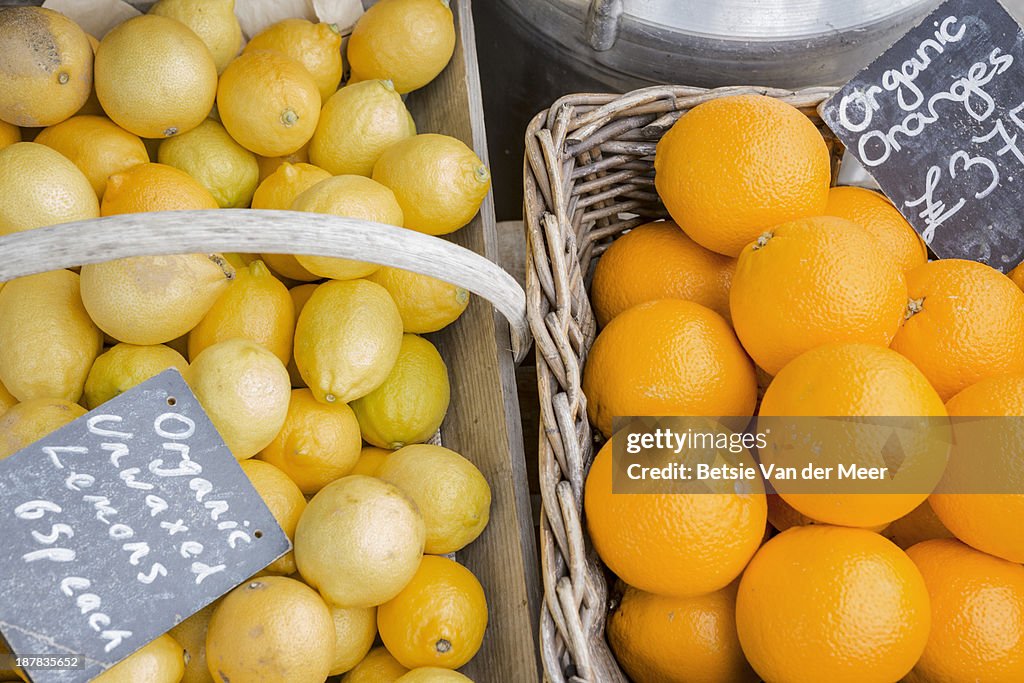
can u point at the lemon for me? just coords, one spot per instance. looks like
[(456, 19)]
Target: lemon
[(347, 340), (92, 104), (270, 164), (370, 460), (125, 366), (244, 389), (286, 266), (357, 124), (270, 629), (318, 443), (27, 422), (350, 196), (191, 635), (97, 146), (411, 403), (7, 400), (449, 490), (268, 102), (213, 21), (155, 77), (433, 674), (160, 661), (9, 134), (221, 165), (300, 295), (407, 41), (47, 341), (280, 188), (46, 68), (359, 542), (425, 303), (255, 306), (148, 300), (439, 181), (39, 187), (240, 261), (355, 629), (377, 667), (316, 46), (285, 501), (154, 187)]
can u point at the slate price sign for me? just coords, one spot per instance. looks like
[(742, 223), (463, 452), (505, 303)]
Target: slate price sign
[(122, 524), (938, 120)]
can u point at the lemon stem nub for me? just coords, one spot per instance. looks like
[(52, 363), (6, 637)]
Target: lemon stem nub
[(482, 174), (289, 117), (334, 27), (63, 77), (443, 646), (330, 398), (914, 306), (388, 83), (762, 240)]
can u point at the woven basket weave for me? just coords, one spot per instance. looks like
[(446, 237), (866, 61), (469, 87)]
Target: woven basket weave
[(589, 177)]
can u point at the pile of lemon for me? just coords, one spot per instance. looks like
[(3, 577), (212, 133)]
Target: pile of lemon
[(312, 369)]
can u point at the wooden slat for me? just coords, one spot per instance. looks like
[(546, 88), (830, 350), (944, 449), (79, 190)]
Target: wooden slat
[(483, 421)]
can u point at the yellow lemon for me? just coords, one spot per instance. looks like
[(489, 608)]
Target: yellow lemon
[(125, 366), (300, 295), (255, 306), (213, 21), (316, 46), (357, 124), (425, 303), (148, 300), (438, 181), (92, 104), (155, 77), (370, 460), (355, 629), (46, 68), (244, 389), (268, 102), (191, 635), (9, 134), (286, 266), (407, 41), (279, 189), (270, 629), (285, 501), (449, 490), (40, 187), (160, 661), (438, 619), (47, 341), (7, 400), (207, 153), (269, 164), (377, 667), (154, 187), (28, 421), (411, 403), (318, 443), (359, 542), (350, 196), (347, 340), (433, 674), (97, 146)]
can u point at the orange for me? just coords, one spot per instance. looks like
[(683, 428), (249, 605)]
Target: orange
[(847, 380), (782, 516), (658, 639), (667, 357), (1017, 275), (154, 187), (977, 606), (920, 524), (734, 167), (811, 282), (964, 322), (823, 603), (988, 522), (876, 214), (658, 261), (681, 544), (438, 619), (285, 501)]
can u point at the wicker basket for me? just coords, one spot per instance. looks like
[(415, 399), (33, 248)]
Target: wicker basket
[(589, 177)]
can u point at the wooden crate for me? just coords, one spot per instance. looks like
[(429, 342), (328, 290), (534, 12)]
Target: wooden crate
[(483, 419)]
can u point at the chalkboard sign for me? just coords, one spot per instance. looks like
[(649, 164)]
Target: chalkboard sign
[(122, 524), (938, 120)]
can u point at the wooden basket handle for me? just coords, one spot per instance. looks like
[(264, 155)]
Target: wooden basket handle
[(265, 232)]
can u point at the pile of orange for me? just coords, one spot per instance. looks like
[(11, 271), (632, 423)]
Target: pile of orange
[(766, 275)]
